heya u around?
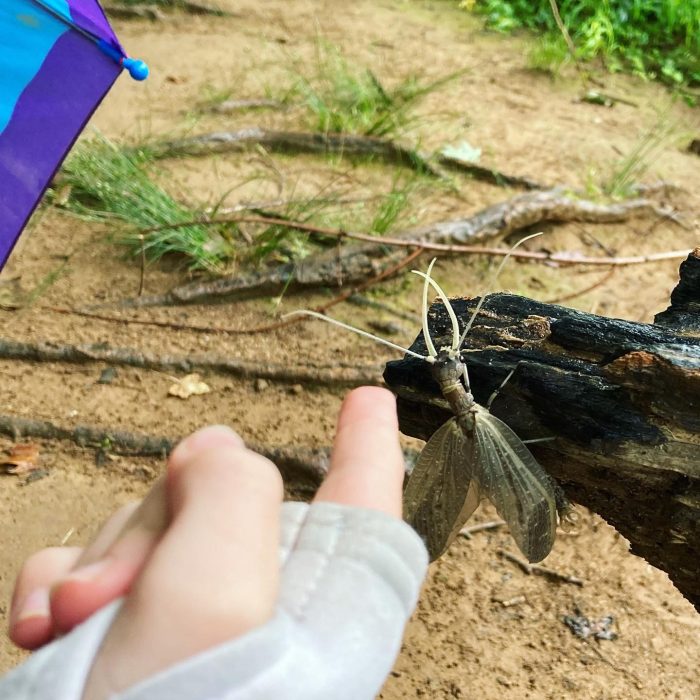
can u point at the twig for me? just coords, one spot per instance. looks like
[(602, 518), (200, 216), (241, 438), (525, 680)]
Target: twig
[(357, 263), (79, 354), (303, 468), (539, 569), (265, 328), (564, 32), (585, 290), (229, 106), (142, 277), (563, 258), (136, 11), (342, 144), (467, 532)]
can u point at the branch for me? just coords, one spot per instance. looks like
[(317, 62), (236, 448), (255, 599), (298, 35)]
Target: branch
[(355, 264), (303, 469), (338, 144), (99, 352)]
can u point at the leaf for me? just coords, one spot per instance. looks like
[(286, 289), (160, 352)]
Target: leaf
[(464, 152), (189, 385), (22, 459)]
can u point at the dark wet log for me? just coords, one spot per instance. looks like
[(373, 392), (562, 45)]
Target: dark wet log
[(622, 400)]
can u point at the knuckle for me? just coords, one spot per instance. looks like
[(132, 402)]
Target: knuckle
[(235, 468)]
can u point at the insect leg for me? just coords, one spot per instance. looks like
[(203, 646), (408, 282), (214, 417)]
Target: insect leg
[(493, 396)]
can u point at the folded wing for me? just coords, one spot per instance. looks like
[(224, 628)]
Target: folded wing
[(516, 484), (440, 494)]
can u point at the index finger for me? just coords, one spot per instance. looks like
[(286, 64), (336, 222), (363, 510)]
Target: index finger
[(367, 466)]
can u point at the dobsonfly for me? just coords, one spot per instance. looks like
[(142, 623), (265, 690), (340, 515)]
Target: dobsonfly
[(473, 454)]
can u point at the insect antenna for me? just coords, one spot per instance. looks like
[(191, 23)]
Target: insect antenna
[(424, 311), (493, 284), (448, 306), (359, 331)]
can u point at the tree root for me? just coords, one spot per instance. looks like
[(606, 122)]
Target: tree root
[(120, 10), (350, 145), (355, 264), (52, 352), (303, 469)]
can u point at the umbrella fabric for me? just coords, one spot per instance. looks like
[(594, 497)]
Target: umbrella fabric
[(52, 77)]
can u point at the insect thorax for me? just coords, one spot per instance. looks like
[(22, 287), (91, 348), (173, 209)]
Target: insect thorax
[(448, 371)]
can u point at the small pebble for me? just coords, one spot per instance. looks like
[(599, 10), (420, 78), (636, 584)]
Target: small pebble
[(107, 375), (261, 385)]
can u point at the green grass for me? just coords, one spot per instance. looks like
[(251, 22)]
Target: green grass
[(107, 183), (343, 98), (657, 39), (381, 215), (618, 179), (630, 169)]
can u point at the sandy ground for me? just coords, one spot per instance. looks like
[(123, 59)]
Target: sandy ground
[(483, 628)]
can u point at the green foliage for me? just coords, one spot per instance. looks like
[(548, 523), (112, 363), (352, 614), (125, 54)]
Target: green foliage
[(654, 38), (280, 243), (107, 183), (630, 169), (344, 99)]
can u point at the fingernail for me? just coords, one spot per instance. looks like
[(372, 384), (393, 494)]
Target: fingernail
[(89, 572), (206, 438), (36, 604)]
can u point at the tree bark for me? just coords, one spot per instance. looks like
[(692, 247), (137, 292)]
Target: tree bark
[(621, 399)]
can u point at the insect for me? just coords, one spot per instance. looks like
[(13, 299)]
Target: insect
[(472, 455), (475, 454)]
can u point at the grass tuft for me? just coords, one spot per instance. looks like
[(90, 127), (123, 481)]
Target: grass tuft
[(107, 183), (343, 99)]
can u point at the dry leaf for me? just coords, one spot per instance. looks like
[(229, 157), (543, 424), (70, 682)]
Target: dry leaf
[(189, 385), (22, 459)]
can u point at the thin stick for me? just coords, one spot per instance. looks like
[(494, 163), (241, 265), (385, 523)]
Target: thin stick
[(143, 265), (467, 532), (266, 328), (130, 357), (585, 290), (560, 258), (302, 467), (564, 32), (539, 569)]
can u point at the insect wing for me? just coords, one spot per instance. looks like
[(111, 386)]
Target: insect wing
[(440, 494), (516, 484)]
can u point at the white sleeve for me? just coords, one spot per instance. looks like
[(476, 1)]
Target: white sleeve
[(350, 580)]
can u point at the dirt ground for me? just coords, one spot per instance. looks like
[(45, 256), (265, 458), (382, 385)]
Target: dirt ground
[(483, 627)]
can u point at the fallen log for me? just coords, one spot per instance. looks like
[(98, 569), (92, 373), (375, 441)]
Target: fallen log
[(621, 399)]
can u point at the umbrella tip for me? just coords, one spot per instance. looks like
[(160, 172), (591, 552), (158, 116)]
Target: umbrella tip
[(137, 68)]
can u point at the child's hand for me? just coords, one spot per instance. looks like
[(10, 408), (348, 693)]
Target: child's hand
[(205, 559)]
